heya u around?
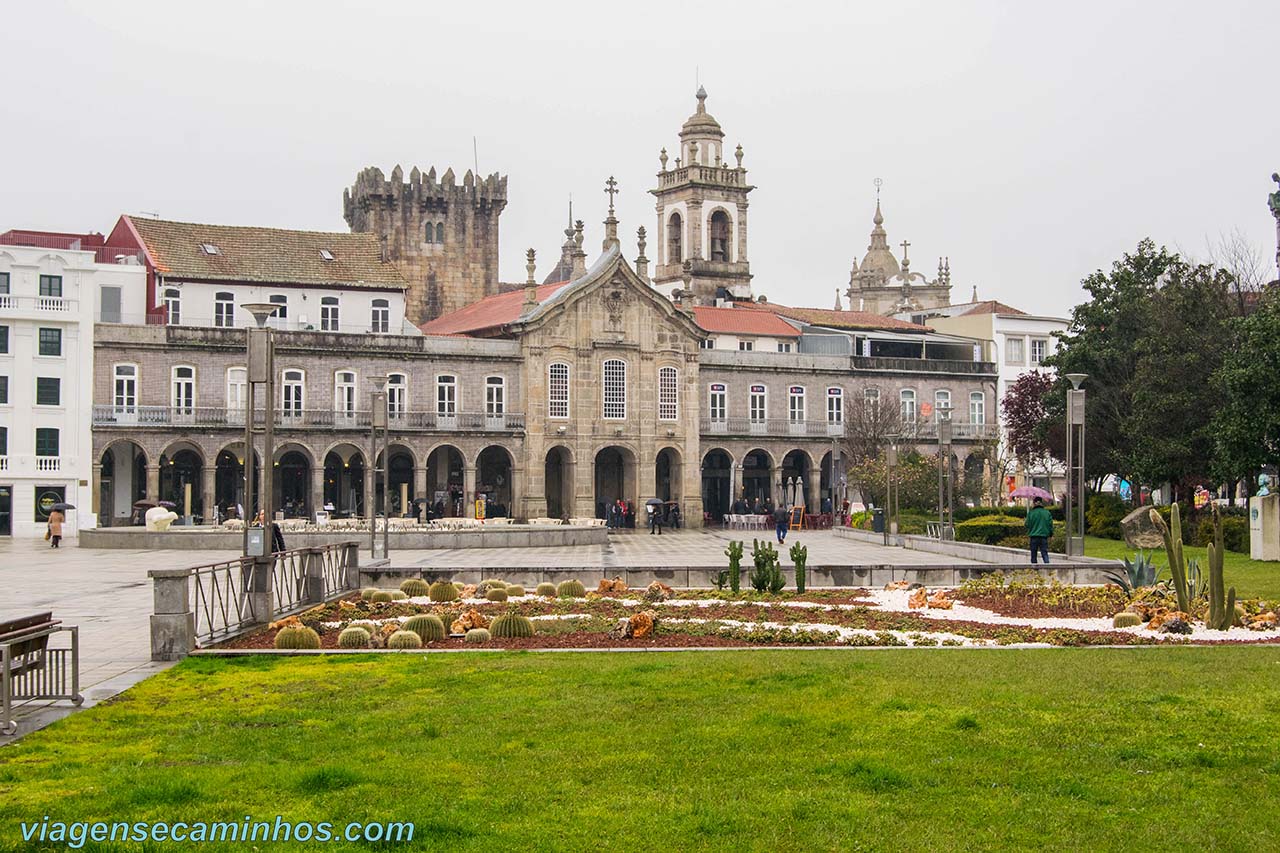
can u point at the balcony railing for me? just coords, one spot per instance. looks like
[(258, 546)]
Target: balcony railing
[(824, 429), (187, 321), (318, 419), (43, 305), (30, 465)]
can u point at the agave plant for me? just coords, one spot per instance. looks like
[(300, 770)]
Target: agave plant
[(1139, 572)]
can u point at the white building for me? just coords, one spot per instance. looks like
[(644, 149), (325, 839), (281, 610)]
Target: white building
[(1021, 342), (48, 300)]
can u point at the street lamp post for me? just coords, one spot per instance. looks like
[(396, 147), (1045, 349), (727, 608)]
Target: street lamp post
[(891, 462), (260, 370), (945, 515), (1075, 504), (378, 419)]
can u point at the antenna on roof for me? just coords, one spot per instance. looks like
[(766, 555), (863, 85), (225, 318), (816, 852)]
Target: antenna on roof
[(154, 214)]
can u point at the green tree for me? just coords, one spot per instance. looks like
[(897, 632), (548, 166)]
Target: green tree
[(1246, 427)]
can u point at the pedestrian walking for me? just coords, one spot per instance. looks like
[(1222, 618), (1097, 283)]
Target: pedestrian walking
[(781, 520), (56, 519), (1039, 526)]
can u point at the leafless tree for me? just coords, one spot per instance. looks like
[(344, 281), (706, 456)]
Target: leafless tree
[(868, 425), (1245, 262)]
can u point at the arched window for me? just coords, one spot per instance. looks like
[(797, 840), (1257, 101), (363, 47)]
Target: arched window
[(380, 318), (977, 408), (721, 232), (293, 393), (224, 309), (558, 390), (429, 233), (615, 389), (941, 401), (329, 313), (446, 396), (675, 231), (668, 394), (344, 394), (281, 299), (183, 390), (397, 395), (173, 306), (440, 233), (907, 405)]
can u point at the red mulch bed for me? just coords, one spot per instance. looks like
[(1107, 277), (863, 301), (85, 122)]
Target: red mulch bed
[(576, 640), (1027, 607)]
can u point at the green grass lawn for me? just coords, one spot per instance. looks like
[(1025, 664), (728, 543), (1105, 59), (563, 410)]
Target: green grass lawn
[(1251, 578), (1084, 749)]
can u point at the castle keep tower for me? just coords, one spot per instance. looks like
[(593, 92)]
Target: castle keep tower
[(702, 213), (441, 235)]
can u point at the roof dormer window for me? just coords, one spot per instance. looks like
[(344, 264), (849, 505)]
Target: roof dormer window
[(326, 254), (210, 249)]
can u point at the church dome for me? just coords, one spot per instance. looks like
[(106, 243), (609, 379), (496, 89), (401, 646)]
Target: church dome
[(879, 258), (701, 123)]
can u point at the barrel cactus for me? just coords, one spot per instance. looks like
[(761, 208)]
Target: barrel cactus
[(415, 587), (443, 591), (368, 592), (382, 596), (515, 590), (496, 593), (547, 590), (511, 625), (397, 595), (477, 637), (571, 589), (354, 638), (297, 637), (426, 625), (404, 640), (1126, 619), (486, 585)]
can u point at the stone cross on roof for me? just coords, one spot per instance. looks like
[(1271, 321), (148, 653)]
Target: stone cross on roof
[(611, 187)]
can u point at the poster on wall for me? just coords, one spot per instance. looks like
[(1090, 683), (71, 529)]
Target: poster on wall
[(46, 497)]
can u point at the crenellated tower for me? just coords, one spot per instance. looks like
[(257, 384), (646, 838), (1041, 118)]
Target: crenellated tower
[(702, 213), (442, 235)]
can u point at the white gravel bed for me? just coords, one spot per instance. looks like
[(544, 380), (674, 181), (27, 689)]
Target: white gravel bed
[(844, 633)]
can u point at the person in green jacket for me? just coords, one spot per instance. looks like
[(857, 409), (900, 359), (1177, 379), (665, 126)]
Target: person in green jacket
[(1039, 526)]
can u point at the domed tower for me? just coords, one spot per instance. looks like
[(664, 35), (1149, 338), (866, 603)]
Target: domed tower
[(702, 214), (883, 285)]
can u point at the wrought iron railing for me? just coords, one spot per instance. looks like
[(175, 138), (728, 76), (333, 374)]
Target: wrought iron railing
[(221, 600), (289, 579), (106, 415)]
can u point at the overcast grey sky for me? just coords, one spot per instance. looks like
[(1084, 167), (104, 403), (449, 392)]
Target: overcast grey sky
[(1030, 142)]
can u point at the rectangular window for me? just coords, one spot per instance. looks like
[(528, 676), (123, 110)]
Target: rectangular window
[(835, 405), (224, 310), (615, 389), (4, 441), (397, 386), (719, 402), (173, 307), (558, 391), (746, 346), (380, 317), (184, 390), (1013, 350), (344, 393), (795, 404), (51, 342), (784, 347), (47, 496), (907, 405), (4, 390), (51, 285), (48, 391), (293, 393), (756, 404), (977, 408), (46, 441), (4, 339), (329, 314), (495, 397), (280, 299), (4, 283), (1039, 349), (446, 397), (668, 394), (709, 343), (941, 400)]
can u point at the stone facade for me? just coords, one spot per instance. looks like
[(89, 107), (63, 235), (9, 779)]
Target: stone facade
[(441, 235)]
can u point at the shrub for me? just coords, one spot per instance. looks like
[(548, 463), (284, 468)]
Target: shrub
[(570, 589), (427, 626), (515, 590), (989, 529), (1235, 533), (1103, 514), (477, 637), (1126, 619), (404, 640), (443, 591), (354, 638), (297, 637), (513, 624), (547, 590), (414, 587), (496, 593), (382, 596)]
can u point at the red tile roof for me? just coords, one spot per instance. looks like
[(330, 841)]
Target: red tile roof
[(736, 321), (857, 320), (489, 314), (991, 306)]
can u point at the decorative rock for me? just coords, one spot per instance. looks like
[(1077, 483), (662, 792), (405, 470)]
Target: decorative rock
[(939, 600), (286, 622), (469, 591), (896, 585), (1138, 530), (642, 625), (468, 620), (621, 630), (615, 585), (919, 599), (658, 591), (1262, 622)]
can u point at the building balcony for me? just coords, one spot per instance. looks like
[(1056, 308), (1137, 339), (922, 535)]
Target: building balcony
[(131, 417), (821, 429), (30, 465), (38, 307), (724, 176)]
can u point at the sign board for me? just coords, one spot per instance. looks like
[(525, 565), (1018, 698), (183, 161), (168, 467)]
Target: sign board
[(717, 386), (797, 517), (796, 389), (835, 392), (757, 389), (480, 502), (1075, 407), (926, 409)]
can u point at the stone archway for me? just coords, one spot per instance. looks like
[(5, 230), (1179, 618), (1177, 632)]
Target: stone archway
[(757, 477), (228, 481), (122, 482), (796, 477), (446, 481), (344, 481), (495, 472), (399, 469), (615, 479), (182, 469), (717, 483), (290, 484), (558, 482)]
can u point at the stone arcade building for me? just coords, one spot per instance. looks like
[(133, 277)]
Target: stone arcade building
[(548, 399)]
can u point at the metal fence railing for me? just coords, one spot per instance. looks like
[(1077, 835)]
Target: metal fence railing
[(220, 598)]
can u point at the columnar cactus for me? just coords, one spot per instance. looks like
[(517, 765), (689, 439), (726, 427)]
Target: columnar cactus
[(511, 625), (297, 637), (443, 591), (354, 638), (477, 637), (1222, 603), (426, 625), (570, 589), (799, 556), (734, 553), (404, 640), (547, 590), (415, 587), (1172, 533)]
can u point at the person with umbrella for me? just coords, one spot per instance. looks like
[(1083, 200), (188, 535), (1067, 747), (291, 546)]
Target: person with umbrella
[(57, 517), (1039, 526), (655, 515)]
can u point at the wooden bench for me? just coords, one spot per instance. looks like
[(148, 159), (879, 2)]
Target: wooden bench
[(30, 670)]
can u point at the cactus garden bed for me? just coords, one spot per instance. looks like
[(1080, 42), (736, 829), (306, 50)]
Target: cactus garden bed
[(992, 611)]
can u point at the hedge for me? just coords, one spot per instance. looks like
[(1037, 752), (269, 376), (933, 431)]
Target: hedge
[(989, 529)]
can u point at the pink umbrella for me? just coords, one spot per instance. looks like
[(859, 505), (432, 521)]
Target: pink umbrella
[(1030, 492)]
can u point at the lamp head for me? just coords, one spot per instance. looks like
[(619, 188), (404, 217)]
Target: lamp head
[(260, 311), (1077, 379)]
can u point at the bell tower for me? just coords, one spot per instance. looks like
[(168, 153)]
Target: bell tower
[(702, 214)]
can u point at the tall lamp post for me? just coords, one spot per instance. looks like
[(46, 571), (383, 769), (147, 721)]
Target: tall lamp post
[(378, 420), (890, 463), (260, 357), (945, 511), (1075, 504)]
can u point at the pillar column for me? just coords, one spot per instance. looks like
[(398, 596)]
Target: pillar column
[(735, 483), (366, 493), (469, 491), (210, 496), (517, 493), (775, 488), (153, 483), (811, 488), (315, 503), (95, 497)]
